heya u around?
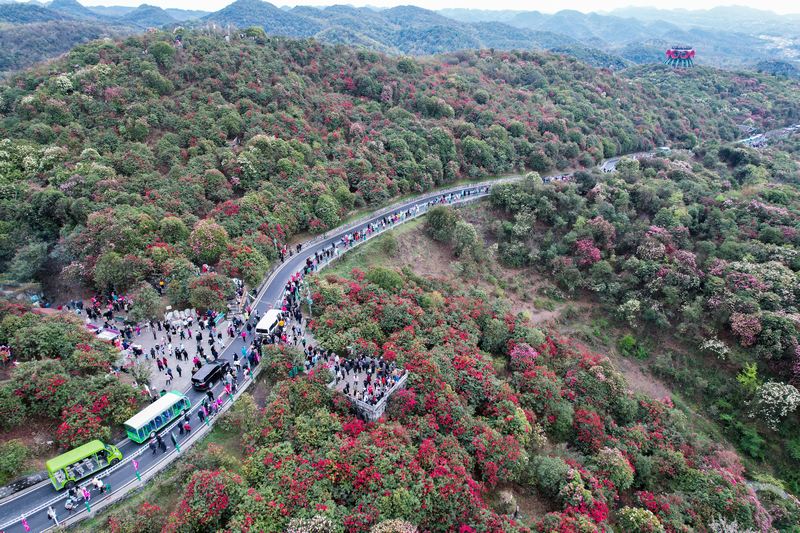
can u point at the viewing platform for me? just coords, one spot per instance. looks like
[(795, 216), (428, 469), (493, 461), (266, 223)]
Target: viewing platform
[(369, 399)]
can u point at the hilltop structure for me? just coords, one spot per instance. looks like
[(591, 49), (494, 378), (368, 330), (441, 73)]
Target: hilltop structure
[(680, 56)]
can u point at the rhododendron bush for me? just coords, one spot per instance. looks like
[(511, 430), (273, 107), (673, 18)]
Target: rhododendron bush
[(562, 425), (62, 374)]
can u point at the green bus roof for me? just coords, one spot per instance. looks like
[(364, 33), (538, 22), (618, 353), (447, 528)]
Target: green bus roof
[(73, 456), (144, 416)]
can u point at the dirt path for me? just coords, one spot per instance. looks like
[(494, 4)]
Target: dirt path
[(639, 379)]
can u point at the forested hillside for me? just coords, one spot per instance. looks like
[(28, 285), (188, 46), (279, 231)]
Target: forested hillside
[(22, 45), (126, 161), (701, 254)]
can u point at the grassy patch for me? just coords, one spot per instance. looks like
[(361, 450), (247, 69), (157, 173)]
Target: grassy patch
[(373, 253), (544, 303)]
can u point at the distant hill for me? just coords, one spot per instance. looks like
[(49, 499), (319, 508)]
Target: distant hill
[(725, 18), (120, 11), (729, 37), (28, 13), (147, 16), (186, 14), (111, 11), (23, 45), (75, 9), (607, 40), (783, 69), (399, 30), (478, 15), (245, 13)]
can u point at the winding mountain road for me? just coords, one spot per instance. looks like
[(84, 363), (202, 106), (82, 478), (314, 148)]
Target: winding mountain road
[(30, 505)]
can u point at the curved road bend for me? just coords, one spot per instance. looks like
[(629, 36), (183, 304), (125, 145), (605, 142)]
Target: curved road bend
[(32, 503)]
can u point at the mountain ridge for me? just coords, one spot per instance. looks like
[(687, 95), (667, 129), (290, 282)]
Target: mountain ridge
[(611, 40)]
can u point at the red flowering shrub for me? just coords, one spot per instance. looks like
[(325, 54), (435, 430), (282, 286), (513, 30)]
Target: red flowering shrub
[(80, 425), (208, 502), (747, 327), (210, 291), (460, 430), (208, 241), (523, 357), (244, 262), (279, 360), (148, 518)]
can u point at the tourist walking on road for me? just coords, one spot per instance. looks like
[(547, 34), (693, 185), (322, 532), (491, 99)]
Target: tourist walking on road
[(51, 515)]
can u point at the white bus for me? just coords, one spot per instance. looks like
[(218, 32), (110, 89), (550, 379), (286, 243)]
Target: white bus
[(269, 322)]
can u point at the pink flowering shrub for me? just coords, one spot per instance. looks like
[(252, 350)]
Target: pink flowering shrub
[(586, 252), (746, 327)]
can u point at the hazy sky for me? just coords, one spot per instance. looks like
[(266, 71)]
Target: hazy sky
[(779, 6)]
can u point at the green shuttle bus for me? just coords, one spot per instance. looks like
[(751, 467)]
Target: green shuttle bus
[(147, 422), (69, 468)]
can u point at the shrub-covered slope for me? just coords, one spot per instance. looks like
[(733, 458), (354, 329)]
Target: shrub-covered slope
[(705, 252), (486, 417), (142, 155)]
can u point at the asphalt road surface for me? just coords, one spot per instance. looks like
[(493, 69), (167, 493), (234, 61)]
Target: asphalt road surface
[(32, 503)]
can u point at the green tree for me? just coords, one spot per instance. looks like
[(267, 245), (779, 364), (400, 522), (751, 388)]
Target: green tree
[(441, 223), (548, 474), (13, 456), (385, 278), (146, 304), (465, 240), (748, 378), (208, 241), (256, 33), (12, 410), (28, 261), (216, 186), (327, 210), (494, 336), (173, 230), (179, 273), (51, 338), (163, 53), (112, 272)]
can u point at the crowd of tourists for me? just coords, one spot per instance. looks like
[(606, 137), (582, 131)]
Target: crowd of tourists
[(367, 379)]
